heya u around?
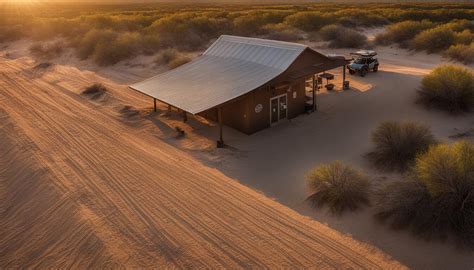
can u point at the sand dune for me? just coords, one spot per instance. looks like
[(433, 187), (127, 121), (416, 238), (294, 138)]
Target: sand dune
[(83, 184)]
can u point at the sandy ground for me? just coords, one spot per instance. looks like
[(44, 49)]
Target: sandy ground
[(102, 181), (275, 160)]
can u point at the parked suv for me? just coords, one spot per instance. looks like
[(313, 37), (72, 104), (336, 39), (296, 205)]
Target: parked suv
[(364, 61)]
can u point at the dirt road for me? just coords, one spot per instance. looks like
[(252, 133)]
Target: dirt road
[(89, 183)]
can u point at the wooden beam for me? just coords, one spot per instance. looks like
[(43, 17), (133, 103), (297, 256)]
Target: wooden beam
[(185, 116), (154, 104), (315, 85), (343, 77), (220, 142)]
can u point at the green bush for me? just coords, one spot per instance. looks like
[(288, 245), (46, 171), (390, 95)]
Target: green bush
[(342, 37), (434, 40), (307, 20), (338, 186), (403, 32), (448, 87), (396, 144), (462, 53), (438, 198)]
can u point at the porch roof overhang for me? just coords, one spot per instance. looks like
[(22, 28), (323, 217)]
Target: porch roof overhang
[(319, 67)]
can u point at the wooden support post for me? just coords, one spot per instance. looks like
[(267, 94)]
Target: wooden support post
[(154, 104), (344, 77), (185, 116), (220, 142), (315, 85)]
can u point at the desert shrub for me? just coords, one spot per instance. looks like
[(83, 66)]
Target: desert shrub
[(165, 56), (437, 200), (396, 144), (47, 50), (354, 17), (189, 31), (178, 61), (460, 25), (449, 88), (338, 186), (11, 33), (282, 32), (433, 40), (87, 45), (465, 37), (114, 51), (461, 53), (95, 89), (403, 32), (307, 20), (171, 58), (253, 22), (342, 37)]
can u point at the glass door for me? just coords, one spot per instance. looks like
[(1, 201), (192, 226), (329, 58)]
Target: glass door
[(273, 110), (278, 108), (283, 108)]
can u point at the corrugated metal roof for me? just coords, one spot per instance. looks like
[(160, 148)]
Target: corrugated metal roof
[(231, 67)]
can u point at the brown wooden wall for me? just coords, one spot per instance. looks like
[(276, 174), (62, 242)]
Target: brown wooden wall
[(240, 113)]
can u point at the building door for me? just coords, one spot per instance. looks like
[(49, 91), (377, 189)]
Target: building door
[(278, 108)]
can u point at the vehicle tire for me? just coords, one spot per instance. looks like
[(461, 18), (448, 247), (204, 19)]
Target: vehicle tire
[(363, 71), (376, 68), (352, 72)]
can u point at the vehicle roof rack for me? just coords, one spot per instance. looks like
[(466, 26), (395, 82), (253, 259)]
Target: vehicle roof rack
[(366, 53)]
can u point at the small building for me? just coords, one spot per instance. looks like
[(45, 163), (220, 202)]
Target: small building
[(248, 84)]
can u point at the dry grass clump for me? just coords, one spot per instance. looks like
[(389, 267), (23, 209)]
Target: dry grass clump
[(434, 40), (47, 50), (397, 144), (462, 53), (342, 37), (307, 20), (282, 32), (438, 198), (403, 32), (122, 47), (338, 186), (179, 61), (448, 87), (171, 58), (96, 89)]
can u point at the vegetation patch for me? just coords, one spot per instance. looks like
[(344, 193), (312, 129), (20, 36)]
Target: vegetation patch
[(403, 32), (462, 53), (434, 40), (397, 144), (95, 91), (338, 186), (47, 50), (171, 58), (43, 65), (342, 37), (437, 200), (449, 88)]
